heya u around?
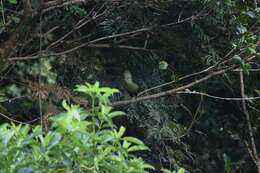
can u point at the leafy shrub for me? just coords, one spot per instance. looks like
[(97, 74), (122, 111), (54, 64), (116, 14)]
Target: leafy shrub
[(78, 141)]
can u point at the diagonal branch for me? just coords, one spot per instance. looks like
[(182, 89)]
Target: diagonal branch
[(172, 91), (182, 88), (125, 34)]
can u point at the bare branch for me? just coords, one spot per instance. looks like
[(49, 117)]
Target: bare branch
[(138, 31), (172, 91), (248, 121), (10, 44), (48, 6), (223, 61), (17, 121), (217, 97)]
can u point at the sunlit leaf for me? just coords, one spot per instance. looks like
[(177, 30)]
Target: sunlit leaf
[(163, 65), (13, 1)]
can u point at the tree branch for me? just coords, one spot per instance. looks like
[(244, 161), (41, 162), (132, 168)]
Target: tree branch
[(172, 91), (51, 5), (16, 35), (219, 98), (92, 42), (248, 121)]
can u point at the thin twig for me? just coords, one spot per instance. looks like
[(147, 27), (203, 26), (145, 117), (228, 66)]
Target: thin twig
[(40, 71), (14, 98), (59, 4), (79, 25), (138, 31), (217, 97), (223, 61), (16, 121), (193, 119), (172, 91), (250, 151), (248, 121), (3, 11)]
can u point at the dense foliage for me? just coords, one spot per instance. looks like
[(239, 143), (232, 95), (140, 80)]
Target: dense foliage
[(78, 141), (187, 72)]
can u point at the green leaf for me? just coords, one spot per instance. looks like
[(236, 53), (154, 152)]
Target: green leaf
[(126, 144), (181, 170), (238, 60), (105, 110), (148, 166), (251, 14), (257, 91), (13, 1), (167, 171), (116, 114), (137, 148), (65, 105), (228, 163), (251, 50), (56, 138), (3, 99), (121, 132), (37, 131), (6, 136), (246, 67), (163, 65), (133, 140), (241, 29)]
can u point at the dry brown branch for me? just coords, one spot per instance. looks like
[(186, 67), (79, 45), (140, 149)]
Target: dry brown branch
[(79, 25), (17, 121), (172, 91), (92, 42), (179, 89), (121, 47), (138, 31)]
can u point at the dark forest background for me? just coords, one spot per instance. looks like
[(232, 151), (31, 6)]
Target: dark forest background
[(187, 72)]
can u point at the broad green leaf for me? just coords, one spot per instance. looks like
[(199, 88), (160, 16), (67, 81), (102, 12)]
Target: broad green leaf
[(56, 138), (148, 166), (65, 105), (37, 131), (6, 136), (116, 114), (126, 144), (121, 132), (181, 170), (137, 148), (167, 171), (133, 140), (251, 50)]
